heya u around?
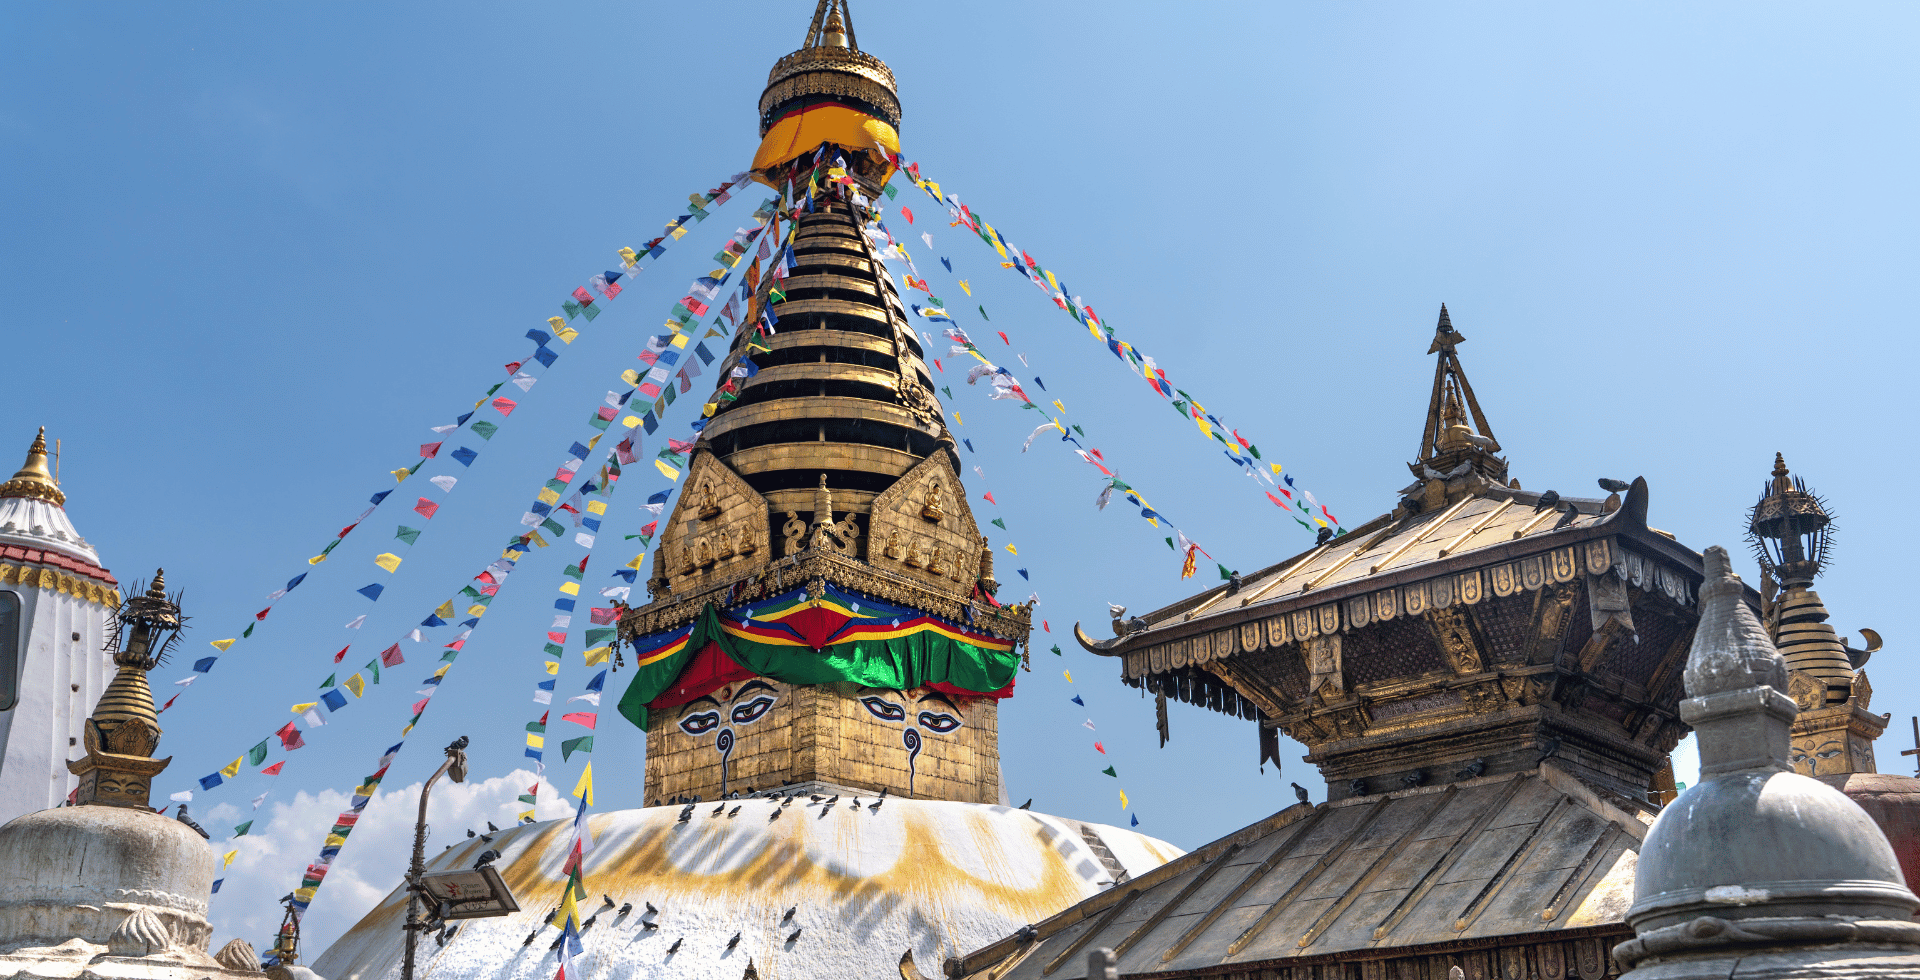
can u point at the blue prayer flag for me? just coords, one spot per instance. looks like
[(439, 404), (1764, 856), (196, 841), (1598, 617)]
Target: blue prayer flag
[(372, 591)]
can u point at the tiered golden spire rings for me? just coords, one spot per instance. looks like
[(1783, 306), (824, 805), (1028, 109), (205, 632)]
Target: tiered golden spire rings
[(35, 479)]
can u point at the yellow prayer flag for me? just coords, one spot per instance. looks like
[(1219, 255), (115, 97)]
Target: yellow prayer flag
[(227, 861), (956, 419), (598, 655), (476, 610), (442, 672), (400, 476), (1010, 550), (709, 408), (637, 559), (232, 769), (966, 288), (445, 611), (679, 233), (335, 840), (1123, 799), (356, 684), (626, 253), (594, 441), (596, 506), (583, 790), (1068, 674), (305, 894), (570, 588), (548, 495), (934, 189), (557, 323), (667, 470), (536, 741), (316, 559), (567, 334), (388, 561), (512, 554), (524, 817), (553, 666), (630, 376), (680, 340), (1062, 408), (630, 421), (538, 541), (1055, 283), (301, 709), (1002, 249), (222, 645), (1276, 468)]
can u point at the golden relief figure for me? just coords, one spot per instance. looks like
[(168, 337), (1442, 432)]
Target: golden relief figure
[(892, 549), (930, 511), (709, 504)]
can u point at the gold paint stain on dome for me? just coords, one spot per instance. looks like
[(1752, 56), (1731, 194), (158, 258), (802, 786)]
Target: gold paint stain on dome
[(34, 479)]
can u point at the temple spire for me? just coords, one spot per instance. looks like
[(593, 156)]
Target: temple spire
[(1456, 432), (35, 479), (832, 26)]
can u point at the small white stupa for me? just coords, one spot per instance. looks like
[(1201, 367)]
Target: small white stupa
[(108, 889)]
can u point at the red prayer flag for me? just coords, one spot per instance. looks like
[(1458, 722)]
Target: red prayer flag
[(907, 213), (1044, 626), (169, 704), (988, 497), (348, 528), (602, 617), (342, 654), (1097, 747), (273, 770), (586, 718), (580, 293), (426, 508), (429, 450), (290, 737), (421, 705), (1276, 500), (543, 716), (513, 366), (560, 637), (262, 614), (504, 406), (647, 532), (607, 412), (1003, 337), (390, 657), (937, 367)]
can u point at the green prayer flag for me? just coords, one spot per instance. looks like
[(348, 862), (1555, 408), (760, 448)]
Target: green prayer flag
[(241, 831), (407, 534), (335, 543), (997, 522), (776, 295), (597, 422), (496, 387), (536, 727), (324, 684), (891, 191), (1056, 650), (572, 309), (450, 656), (485, 429), (946, 391), (552, 526), (1108, 771), (668, 394), (984, 316), (249, 630), (374, 666), (1180, 406), (1080, 432), (1170, 546), (573, 572), (582, 744), (1225, 576), (554, 649), (590, 312), (1255, 450), (528, 799), (257, 754)]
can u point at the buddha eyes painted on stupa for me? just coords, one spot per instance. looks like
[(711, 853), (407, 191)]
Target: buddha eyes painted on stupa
[(883, 709)]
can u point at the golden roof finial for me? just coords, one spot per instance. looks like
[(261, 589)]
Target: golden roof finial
[(124, 730), (1456, 428), (1780, 473), (35, 479)]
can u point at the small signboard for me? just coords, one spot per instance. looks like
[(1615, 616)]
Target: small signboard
[(469, 893)]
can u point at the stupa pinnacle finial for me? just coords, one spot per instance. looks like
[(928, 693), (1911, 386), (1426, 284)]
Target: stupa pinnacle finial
[(35, 479), (1456, 432), (124, 730)]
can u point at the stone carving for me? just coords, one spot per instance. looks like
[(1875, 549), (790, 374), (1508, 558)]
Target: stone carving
[(141, 933), (239, 956), (709, 504), (1455, 637), (795, 531)]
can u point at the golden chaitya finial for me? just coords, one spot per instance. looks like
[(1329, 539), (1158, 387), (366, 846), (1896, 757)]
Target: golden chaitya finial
[(124, 730), (35, 479)]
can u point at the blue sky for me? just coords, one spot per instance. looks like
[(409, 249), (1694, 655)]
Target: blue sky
[(252, 253)]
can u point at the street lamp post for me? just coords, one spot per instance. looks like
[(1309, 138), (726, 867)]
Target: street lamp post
[(456, 766)]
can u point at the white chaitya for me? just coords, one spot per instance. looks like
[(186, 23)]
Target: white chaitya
[(55, 603)]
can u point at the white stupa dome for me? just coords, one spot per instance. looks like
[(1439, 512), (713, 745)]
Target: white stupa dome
[(866, 885)]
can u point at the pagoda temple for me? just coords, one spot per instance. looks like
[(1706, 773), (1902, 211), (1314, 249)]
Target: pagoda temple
[(1487, 677), (820, 668)]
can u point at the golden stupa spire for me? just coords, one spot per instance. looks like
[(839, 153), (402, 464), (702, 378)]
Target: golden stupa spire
[(35, 479), (124, 730)]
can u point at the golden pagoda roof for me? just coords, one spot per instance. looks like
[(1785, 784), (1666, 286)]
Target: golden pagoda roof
[(35, 479), (1490, 863)]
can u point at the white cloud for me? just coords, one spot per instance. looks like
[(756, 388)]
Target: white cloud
[(287, 836)]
